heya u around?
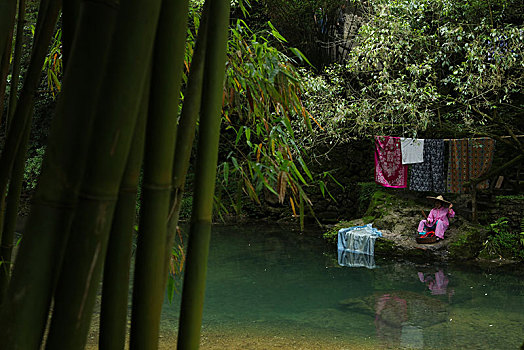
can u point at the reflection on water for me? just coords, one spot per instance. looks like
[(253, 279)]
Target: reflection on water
[(272, 282), (438, 285)]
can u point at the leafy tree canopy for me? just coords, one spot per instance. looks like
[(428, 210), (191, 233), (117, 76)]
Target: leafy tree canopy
[(445, 67)]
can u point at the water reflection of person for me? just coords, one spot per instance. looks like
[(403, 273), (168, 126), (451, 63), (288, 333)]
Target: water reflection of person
[(391, 312), (393, 324), (438, 284)]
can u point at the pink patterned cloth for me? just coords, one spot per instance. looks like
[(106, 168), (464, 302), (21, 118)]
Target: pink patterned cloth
[(389, 171)]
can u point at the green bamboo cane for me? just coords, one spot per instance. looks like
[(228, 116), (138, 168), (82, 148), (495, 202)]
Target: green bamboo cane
[(7, 21), (70, 13), (13, 200), (113, 315), (116, 115), (149, 287), (200, 229), (17, 59), (24, 313), (186, 132), (45, 27)]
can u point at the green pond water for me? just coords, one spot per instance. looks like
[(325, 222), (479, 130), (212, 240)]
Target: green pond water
[(270, 280)]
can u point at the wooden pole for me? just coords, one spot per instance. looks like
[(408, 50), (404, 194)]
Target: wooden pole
[(474, 203)]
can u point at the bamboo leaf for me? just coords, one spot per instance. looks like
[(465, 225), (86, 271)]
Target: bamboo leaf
[(297, 173), (275, 32), (305, 168), (226, 172), (293, 206)]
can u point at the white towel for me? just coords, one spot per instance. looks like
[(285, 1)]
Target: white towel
[(412, 150)]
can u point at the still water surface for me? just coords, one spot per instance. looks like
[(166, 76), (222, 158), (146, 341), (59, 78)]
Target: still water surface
[(266, 282)]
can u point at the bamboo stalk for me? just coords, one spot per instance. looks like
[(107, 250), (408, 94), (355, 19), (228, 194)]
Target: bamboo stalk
[(24, 314), (13, 200), (70, 13), (149, 287), (23, 114), (17, 59), (7, 20), (116, 115), (113, 315), (200, 228), (186, 133)]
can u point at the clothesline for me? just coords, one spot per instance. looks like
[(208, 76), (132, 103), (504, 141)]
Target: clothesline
[(468, 158), (479, 138)]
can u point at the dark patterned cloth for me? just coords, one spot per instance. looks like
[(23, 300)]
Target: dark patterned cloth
[(429, 175), (469, 159)]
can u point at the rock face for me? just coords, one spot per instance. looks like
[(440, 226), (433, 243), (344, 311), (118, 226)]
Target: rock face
[(397, 218)]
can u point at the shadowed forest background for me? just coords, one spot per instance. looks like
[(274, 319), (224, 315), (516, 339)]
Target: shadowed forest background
[(121, 119)]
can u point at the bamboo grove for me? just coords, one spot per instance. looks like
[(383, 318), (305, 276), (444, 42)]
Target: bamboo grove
[(116, 117)]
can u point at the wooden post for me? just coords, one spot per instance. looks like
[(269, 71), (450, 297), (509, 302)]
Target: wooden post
[(474, 203)]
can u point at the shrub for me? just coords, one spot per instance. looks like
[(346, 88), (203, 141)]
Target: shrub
[(502, 242)]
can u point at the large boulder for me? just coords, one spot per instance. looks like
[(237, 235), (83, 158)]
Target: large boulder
[(397, 217)]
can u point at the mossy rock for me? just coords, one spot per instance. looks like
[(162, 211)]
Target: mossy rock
[(468, 242), (332, 234), (382, 202), (386, 248)]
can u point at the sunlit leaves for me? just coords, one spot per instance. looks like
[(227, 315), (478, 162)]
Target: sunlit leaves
[(261, 102), (417, 65)]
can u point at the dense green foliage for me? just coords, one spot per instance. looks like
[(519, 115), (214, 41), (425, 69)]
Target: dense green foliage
[(448, 67), (503, 242), (262, 106)]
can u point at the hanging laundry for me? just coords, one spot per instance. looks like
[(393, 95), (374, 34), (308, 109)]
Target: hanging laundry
[(412, 150), (389, 171), (458, 169), (468, 159), (429, 175), (481, 153)]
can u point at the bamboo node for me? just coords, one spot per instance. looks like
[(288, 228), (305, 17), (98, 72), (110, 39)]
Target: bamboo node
[(98, 197), (168, 187)]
